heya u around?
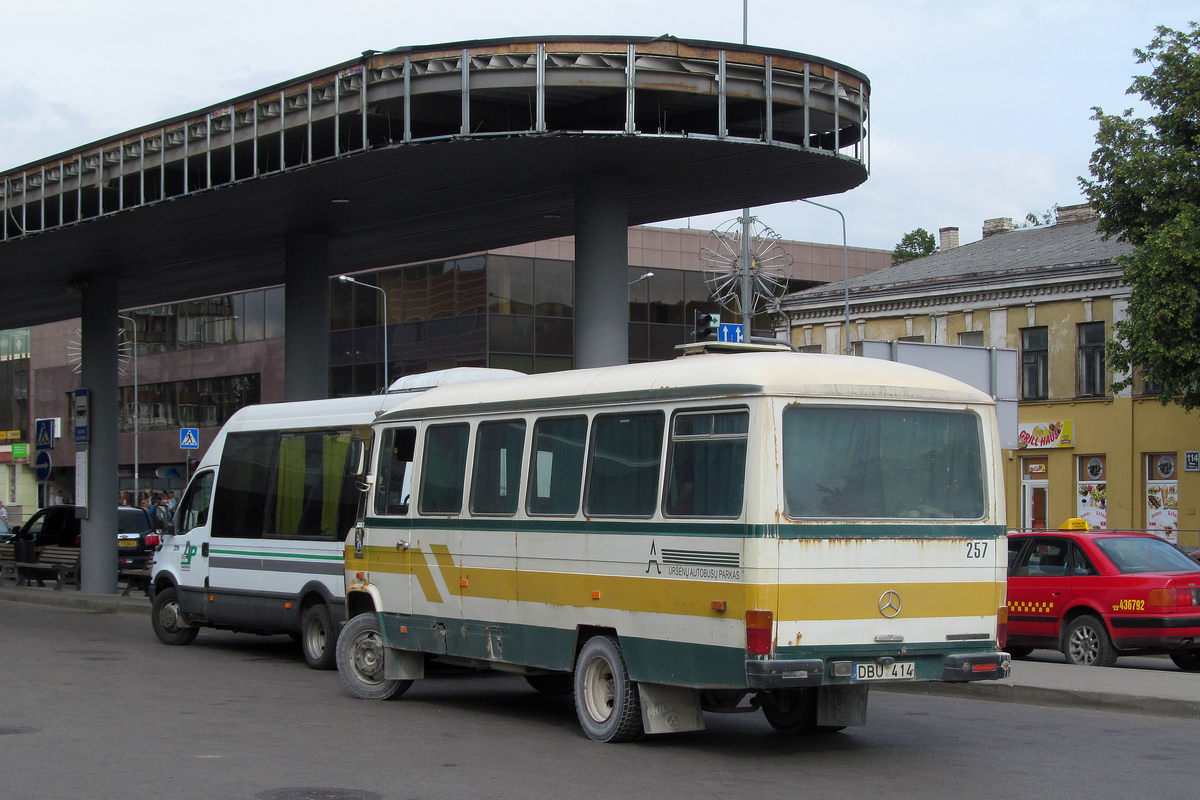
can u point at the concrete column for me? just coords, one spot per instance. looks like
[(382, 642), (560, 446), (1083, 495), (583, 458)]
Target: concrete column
[(306, 317), (601, 271), (98, 545)]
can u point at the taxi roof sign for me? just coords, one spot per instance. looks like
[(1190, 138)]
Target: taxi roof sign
[(1075, 524)]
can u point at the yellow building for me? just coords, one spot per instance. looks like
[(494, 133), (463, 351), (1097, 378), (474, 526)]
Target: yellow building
[(1052, 293)]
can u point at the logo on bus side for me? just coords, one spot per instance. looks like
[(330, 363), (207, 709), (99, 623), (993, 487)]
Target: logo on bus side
[(705, 564)]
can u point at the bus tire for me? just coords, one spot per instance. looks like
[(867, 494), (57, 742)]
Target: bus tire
[(317, 638), (606, 700), (360, 661), (792, 711), (1085, 643), (554, 683), (166, 620)]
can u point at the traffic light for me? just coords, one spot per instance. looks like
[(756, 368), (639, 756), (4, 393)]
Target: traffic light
[(706, 326)]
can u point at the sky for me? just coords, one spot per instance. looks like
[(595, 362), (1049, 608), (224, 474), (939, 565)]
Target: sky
[(980, 108)]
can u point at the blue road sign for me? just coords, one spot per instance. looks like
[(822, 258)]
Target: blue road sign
[(44, 435), (189, 438), (728, 332), (43, 465)]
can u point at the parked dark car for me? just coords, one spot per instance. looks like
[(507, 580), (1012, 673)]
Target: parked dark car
[(137, 537)]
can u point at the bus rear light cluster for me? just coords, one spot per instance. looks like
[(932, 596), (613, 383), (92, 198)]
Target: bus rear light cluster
[(759, 627)]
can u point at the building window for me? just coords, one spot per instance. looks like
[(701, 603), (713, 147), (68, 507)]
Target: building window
[(1091, 359), (1034, 364), (971, 339)]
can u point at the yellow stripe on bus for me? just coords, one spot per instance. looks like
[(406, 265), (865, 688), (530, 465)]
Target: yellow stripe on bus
[(687, 597)]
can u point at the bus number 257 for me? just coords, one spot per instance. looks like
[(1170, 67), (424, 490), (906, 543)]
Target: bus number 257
[(977, 549)]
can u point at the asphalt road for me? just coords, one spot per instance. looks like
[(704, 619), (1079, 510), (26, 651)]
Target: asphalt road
[(94, 707)]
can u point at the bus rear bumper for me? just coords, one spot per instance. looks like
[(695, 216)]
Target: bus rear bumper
[(976, 667), (782, 674), (788, 673)]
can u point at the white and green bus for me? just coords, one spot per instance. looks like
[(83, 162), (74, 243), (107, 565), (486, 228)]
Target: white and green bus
[(256, 545), (721, 532)]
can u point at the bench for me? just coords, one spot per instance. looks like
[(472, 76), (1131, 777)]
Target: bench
[(8, 563), (134, 579), (61, 563)]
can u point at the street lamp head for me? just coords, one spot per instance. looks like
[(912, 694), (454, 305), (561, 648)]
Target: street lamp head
[(345, 279)]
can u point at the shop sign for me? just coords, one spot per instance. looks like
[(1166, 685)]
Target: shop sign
[(1042, 435)]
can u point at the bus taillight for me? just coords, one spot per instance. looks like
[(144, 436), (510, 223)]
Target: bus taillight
[(1002, 626), (759, 625)]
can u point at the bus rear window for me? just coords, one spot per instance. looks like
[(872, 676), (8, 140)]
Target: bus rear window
[(873, 463)]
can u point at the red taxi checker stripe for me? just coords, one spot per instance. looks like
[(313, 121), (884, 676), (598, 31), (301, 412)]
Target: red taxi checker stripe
[(1030, 607)]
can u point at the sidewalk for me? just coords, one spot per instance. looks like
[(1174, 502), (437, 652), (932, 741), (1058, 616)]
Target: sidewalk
[(1125, 689)]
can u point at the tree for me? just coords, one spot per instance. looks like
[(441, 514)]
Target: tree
[(914, 245), (1146, 186)]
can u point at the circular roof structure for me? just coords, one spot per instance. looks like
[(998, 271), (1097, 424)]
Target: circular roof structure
[(427, 152)]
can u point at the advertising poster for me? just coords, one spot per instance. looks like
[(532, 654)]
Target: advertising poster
[(1092, 506), (1162, 508)]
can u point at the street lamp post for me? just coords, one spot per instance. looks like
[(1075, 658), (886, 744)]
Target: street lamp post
[(845, 264), (137, 413), (348, 279)]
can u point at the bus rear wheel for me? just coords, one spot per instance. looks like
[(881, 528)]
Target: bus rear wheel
[(794, 711), (360, 661), (606, 700), (317, 637)]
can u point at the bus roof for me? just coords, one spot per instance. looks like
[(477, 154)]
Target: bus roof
[(697, 376)]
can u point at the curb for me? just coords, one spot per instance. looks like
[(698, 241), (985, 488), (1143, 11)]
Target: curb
[(1060, 698), (103, 603)]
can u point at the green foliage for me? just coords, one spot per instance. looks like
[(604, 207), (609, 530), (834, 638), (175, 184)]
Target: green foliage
[(914, 244), (1034, 219), (1146, 186)]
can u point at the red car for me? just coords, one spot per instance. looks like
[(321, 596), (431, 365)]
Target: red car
[(1095, 595)]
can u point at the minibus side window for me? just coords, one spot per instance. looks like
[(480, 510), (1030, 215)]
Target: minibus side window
[(556, 466), (498, 451), (444, 469), (394, 484), (193, 511), (707, 467), (240, 499), (623, 469), (306, 495)]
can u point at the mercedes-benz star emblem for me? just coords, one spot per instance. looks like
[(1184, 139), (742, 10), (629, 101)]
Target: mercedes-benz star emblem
[(889, 604)]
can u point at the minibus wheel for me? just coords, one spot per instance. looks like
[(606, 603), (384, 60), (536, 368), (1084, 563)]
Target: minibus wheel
[(360, 661), (317, 638), (166, 620), (606, 701)]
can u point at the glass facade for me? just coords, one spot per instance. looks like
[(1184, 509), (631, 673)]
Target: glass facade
[(495, 310), (201, 403), (211, 322)]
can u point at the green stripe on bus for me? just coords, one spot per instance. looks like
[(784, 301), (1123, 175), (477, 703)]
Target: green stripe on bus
[(734, 530), (279, 554)]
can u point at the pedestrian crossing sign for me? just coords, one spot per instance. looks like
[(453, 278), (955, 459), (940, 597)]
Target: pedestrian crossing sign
[(44, 434), (189, 438)]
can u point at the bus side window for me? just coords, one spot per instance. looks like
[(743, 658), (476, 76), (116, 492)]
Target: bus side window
[(444, 468), (623, 469), (707, 468), (394, 485), (193, 511), (498, 450), (556, 466)]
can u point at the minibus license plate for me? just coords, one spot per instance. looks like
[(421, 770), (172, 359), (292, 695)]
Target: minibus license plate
[(896, 671)]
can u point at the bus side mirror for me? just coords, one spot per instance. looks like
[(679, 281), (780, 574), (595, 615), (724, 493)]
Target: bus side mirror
[(356, 459)]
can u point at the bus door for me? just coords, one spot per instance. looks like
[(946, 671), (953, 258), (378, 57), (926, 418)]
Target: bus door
[(187, 555)]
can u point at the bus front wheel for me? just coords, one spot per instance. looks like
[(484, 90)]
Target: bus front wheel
[(360, 661), (167, 621), (606, 700)]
